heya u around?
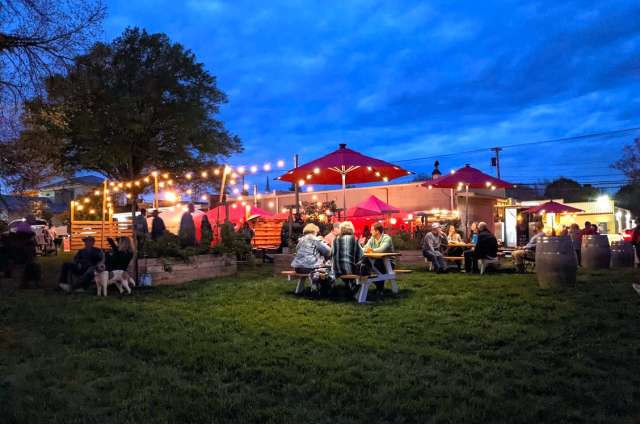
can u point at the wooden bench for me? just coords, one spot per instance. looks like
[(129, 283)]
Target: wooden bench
[(301, 279), (365, 281)]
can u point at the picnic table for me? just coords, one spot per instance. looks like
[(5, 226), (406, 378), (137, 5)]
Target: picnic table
[(388, 275)]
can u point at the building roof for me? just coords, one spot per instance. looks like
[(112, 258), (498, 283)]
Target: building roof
[(13, 203), (86, 180)]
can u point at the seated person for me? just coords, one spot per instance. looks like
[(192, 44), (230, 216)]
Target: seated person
[(84, 263), (529, 250), (346, 251), (121, 254), (335, 232), (485, 248), (453, 237), (379, 242), (431, 248), (311, 251)]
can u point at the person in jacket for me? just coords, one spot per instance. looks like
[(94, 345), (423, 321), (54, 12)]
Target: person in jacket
[(576, 239), (140, 228), (486, 248), (311, 252), (431, 248), (84, 264), (529, 250), (379, 242), (346, 252), (157, 226), (187, 231)]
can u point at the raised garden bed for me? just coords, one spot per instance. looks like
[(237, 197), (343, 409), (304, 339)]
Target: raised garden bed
[(171, 271)]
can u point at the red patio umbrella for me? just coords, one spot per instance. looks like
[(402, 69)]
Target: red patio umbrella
[(553, 207), (372, 206), (467, 177), (341, 165)]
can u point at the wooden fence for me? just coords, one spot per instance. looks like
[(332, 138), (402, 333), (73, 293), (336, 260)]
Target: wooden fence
[(113, 229)]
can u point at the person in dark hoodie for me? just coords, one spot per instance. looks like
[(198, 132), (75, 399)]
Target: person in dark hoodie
[(486, 247)]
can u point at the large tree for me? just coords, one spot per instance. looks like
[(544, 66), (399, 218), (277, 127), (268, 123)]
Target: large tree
[(40, 37), (630, 162), (570, 190), (628, 197), (138, 103)]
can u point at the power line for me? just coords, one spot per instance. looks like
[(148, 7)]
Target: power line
[(528, 143)]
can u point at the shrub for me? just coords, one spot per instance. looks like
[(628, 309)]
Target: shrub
[(403, 241)]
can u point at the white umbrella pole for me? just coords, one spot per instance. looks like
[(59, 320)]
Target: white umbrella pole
[(466, 213), (344, 193)]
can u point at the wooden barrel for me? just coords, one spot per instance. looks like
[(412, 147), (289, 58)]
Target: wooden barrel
[(622, 254), (596, 253), (282, 262), (556, 262)]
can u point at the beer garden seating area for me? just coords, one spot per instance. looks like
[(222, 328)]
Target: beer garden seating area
[(245, 348)]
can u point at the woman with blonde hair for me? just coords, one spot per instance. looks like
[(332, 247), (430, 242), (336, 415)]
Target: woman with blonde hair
[(121, 254), (311, 251)]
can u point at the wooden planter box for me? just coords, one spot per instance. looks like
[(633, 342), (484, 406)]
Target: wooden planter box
[(411, 257), (171, 271)]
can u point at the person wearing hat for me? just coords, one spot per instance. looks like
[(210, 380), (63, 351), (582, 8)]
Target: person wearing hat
[(84, 263), (431, 248)]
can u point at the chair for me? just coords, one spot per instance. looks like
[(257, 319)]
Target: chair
[(484, 263)]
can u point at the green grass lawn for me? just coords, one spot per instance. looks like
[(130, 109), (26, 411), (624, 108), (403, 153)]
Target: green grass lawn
[(452, 348)]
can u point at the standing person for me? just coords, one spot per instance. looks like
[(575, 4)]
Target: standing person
[(84, 263), (431, 249), (595, 229), (53, 234), (635, 240), (141, 229), (157, 226), (587, 230), (187, 231), (576, 239), (335, 232), (485, 248), (379, 243), (529, 250)]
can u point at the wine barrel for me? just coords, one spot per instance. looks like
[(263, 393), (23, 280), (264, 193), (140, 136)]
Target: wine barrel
[(622, 254), (596, 253), (556, 262)]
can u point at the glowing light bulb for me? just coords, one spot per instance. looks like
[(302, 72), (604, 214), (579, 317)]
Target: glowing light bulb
[(87, 200), (271, 204), (154, 173), (216, 171), (246, 186), (241, 170), (188, 175), (309, 189), (254, 169), (204, 197), (266, 167), (316, 170), (301, 183), (236, 191), (165, 175), (203, 174), (189, 191), (146, 179), (280, 163)]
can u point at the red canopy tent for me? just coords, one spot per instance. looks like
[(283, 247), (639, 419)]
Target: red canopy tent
[(341, 165), (466, 178), (237, 213), (372, 206)]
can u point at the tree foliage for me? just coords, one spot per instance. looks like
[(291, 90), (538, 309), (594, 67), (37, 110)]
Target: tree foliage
[(630, 162), (570, 190), (138, 103), (40, 37), (628, 197)]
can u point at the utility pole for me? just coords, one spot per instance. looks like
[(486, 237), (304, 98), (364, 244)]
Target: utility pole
[(496, 161), (297, 189)]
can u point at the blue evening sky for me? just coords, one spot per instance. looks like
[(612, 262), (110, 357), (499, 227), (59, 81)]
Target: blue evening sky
[(406, 80)]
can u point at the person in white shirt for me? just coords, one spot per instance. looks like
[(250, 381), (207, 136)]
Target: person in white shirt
[(529, 250)]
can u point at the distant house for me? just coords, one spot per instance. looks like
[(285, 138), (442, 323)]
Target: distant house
[(63, 192), (16, 207)]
